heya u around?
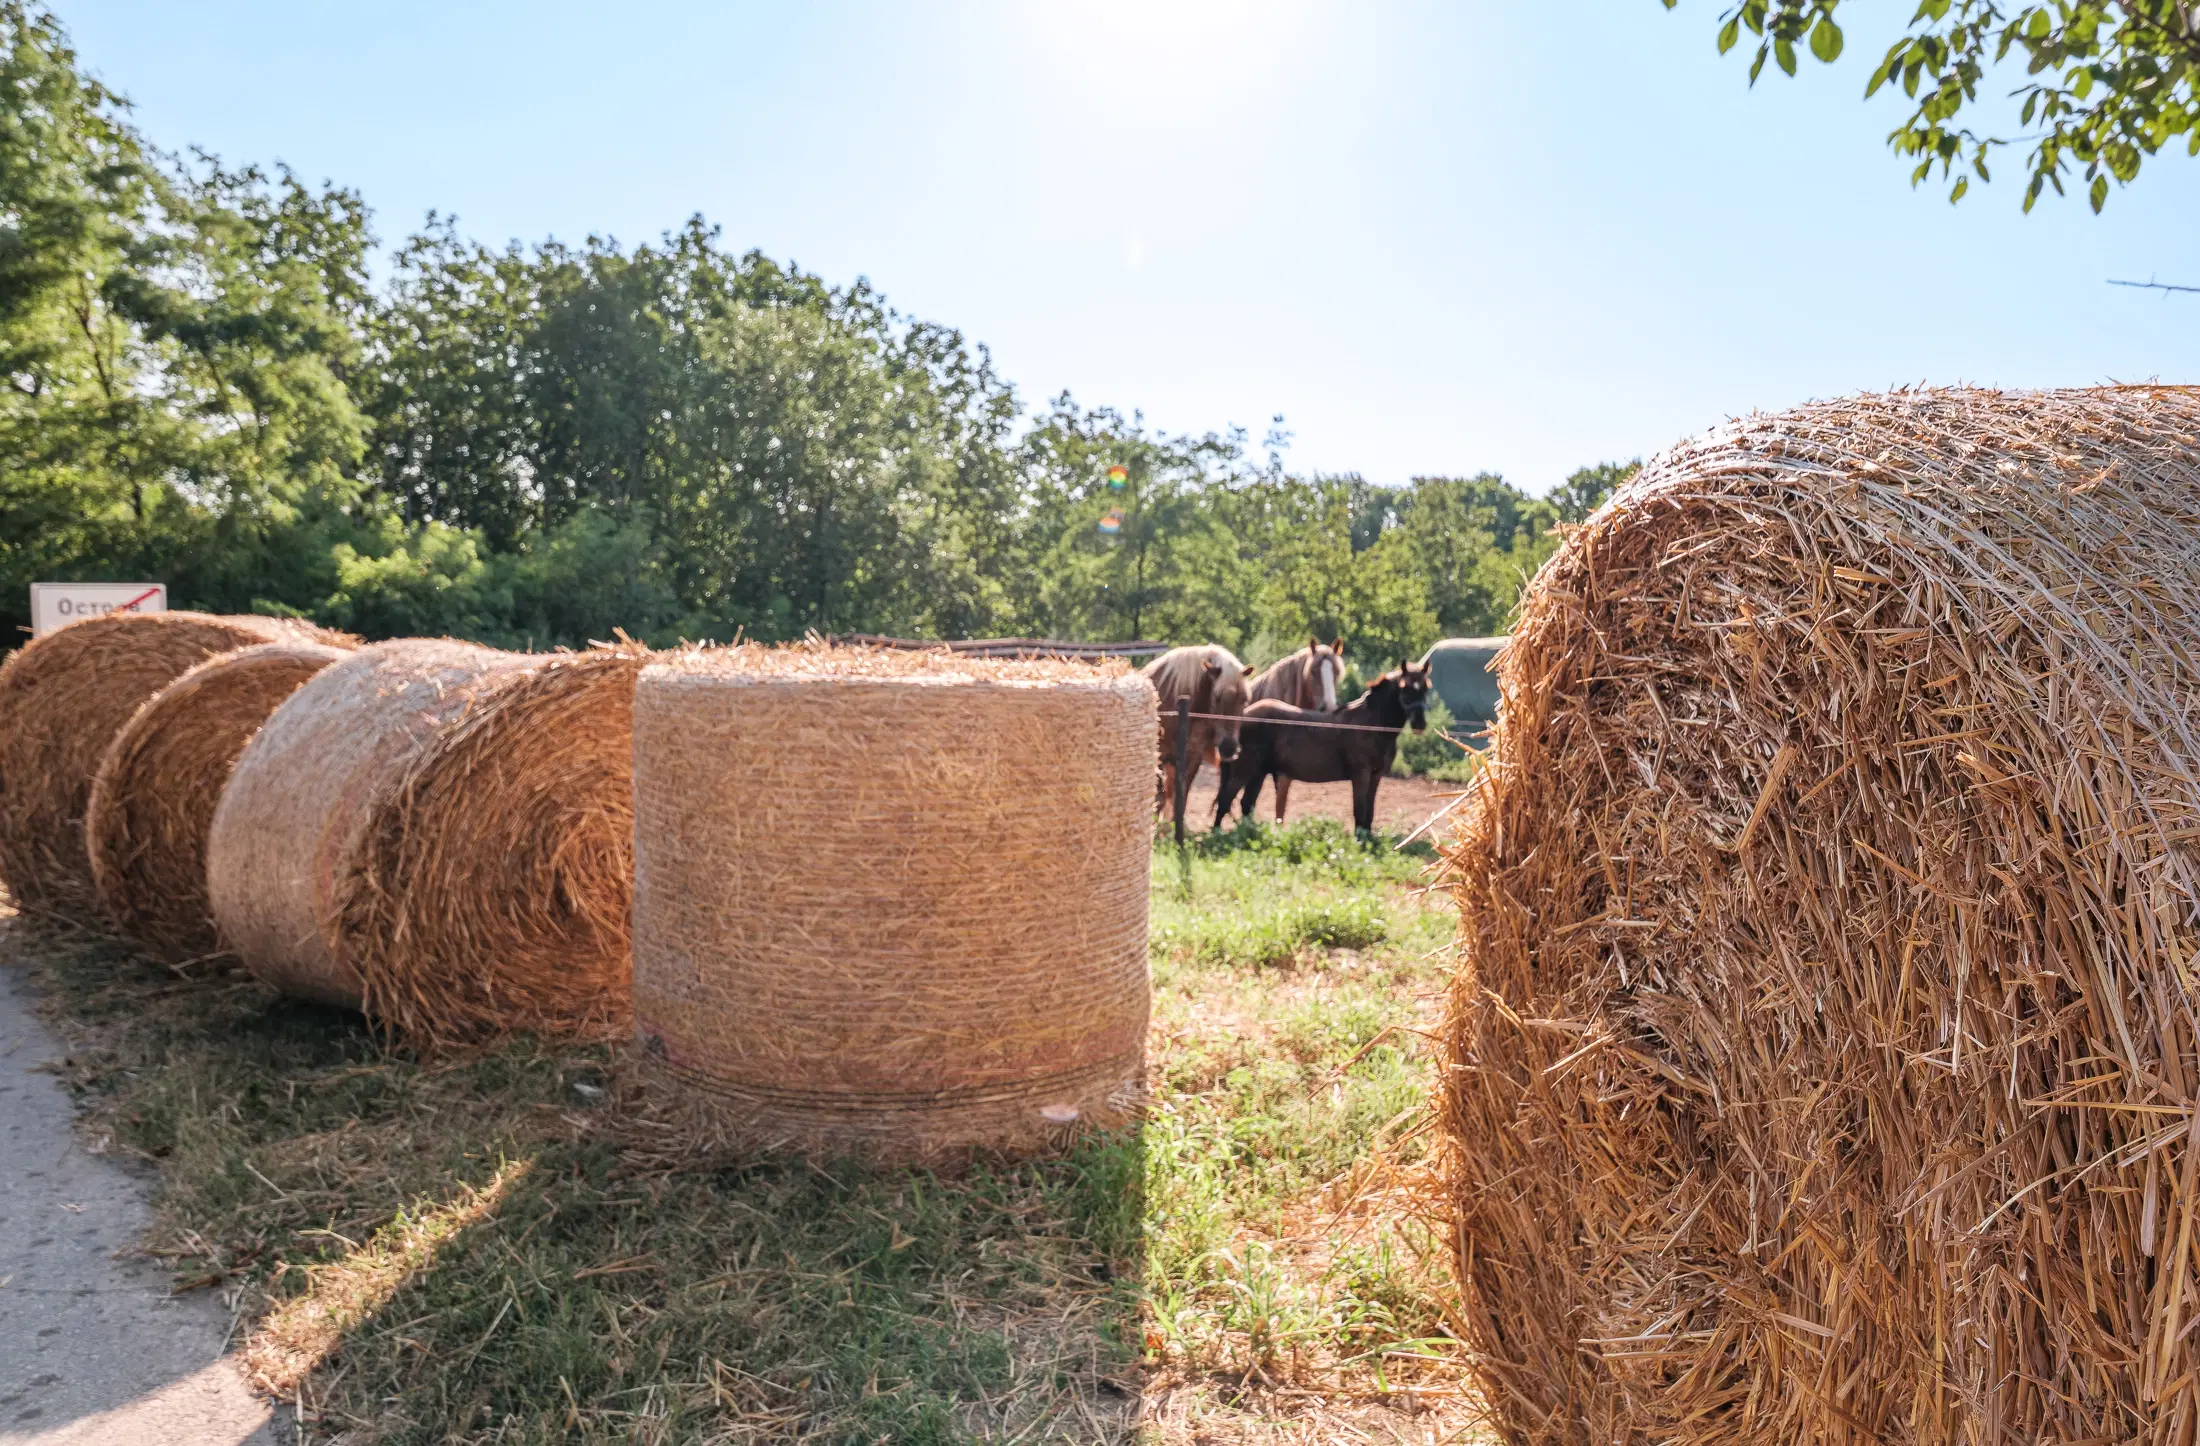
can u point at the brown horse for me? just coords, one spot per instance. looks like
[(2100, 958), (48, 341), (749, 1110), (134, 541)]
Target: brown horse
[(1277, 745), (1304, 679), (1213, 680)]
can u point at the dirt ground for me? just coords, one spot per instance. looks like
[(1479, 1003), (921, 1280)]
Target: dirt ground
[(1401, 804)]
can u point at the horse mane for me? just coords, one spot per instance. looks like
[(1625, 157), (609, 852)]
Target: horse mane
[(1182, 672), (1280, 679)]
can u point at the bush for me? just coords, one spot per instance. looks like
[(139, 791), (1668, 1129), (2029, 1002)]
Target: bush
[(431, 581), (1430, 754)]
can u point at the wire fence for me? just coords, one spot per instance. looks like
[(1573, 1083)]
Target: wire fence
[(1007, 647), (1182, 715)]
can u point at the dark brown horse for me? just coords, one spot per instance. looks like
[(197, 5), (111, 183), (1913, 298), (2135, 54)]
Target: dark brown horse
[(1307, 678), (1212, 679), (1273, 741)]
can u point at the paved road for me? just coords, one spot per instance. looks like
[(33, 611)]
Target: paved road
[(93, 1350)]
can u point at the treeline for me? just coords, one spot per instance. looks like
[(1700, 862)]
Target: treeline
[(538, 446)]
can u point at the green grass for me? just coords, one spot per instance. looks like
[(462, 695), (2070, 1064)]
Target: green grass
[(463, 1251), (1292, 970)]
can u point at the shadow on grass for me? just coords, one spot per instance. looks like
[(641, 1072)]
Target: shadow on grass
[(460, 1251)]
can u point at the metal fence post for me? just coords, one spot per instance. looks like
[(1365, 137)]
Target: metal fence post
[(1183, 763)]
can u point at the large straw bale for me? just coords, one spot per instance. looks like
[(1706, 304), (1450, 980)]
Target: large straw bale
[(1823, 1061), (63, 697), (153, 798), (891, 904), (304, 793), (493, 889)]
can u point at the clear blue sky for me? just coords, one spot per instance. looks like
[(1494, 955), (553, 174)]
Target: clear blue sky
[(1436, 237)]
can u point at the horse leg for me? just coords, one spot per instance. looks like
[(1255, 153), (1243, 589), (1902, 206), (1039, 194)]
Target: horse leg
[(1363, 802), (1254, 780), (1283, 795), (1226, 787), (1164, 788)]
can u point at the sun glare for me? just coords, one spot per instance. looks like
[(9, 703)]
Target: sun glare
[(1129, 63)]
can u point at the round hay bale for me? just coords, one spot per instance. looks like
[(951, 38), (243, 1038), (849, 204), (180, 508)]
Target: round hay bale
[(1823, 1061), (493, 889), (63, 697), (303, 795), (153, 798), (892, 905)]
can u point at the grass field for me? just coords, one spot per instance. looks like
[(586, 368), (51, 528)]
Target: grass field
[(475, 1249)]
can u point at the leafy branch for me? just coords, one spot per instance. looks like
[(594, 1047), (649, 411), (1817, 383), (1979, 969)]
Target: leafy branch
[(2110, 82)]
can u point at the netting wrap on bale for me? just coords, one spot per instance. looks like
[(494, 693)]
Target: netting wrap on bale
[(63, 697), (1823, 1063), (153, 799), (302, 796), (439, 833), (892, 905)]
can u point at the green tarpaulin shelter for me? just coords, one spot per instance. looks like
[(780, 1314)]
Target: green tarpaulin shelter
[(1461, 672)]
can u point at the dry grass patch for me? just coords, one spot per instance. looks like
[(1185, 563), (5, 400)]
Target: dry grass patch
[(462, 1252)]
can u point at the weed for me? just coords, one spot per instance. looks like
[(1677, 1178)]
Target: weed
[(1432, 754)]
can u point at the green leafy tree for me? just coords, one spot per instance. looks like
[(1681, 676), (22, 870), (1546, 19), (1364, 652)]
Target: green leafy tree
[(797, 455), (1586, 489), (1173, 567), (78, 197), (592, 575), (1475, 541), (175, 341), (430, 581), (2107, 83), (1326, 571), (537, 446)]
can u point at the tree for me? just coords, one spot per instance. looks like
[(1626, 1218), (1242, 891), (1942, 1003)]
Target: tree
[(1173, 563), (175, 343), (755, 449), (2110, 82), (200, 382), (1321, 569), (1586, 489), (1474, 541)]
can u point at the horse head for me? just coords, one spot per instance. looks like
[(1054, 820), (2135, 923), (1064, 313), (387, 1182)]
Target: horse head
[(1223, 680), (1410, 684), (1320, 677)]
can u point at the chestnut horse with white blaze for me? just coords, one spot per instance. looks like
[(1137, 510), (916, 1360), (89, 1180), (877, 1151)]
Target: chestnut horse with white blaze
[(1308, 678), (1214, 681)]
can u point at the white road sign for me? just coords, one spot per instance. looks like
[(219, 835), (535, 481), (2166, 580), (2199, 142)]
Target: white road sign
[(57, 604)]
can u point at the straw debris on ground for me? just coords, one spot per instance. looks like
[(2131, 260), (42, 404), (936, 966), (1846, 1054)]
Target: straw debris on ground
[(1822, 1063)]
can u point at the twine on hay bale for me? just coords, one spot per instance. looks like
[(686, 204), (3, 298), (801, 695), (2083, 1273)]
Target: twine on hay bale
[(303, 795), (494, 887), (1822, 1062), (153, 798), (63, 697), (891, 905)]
